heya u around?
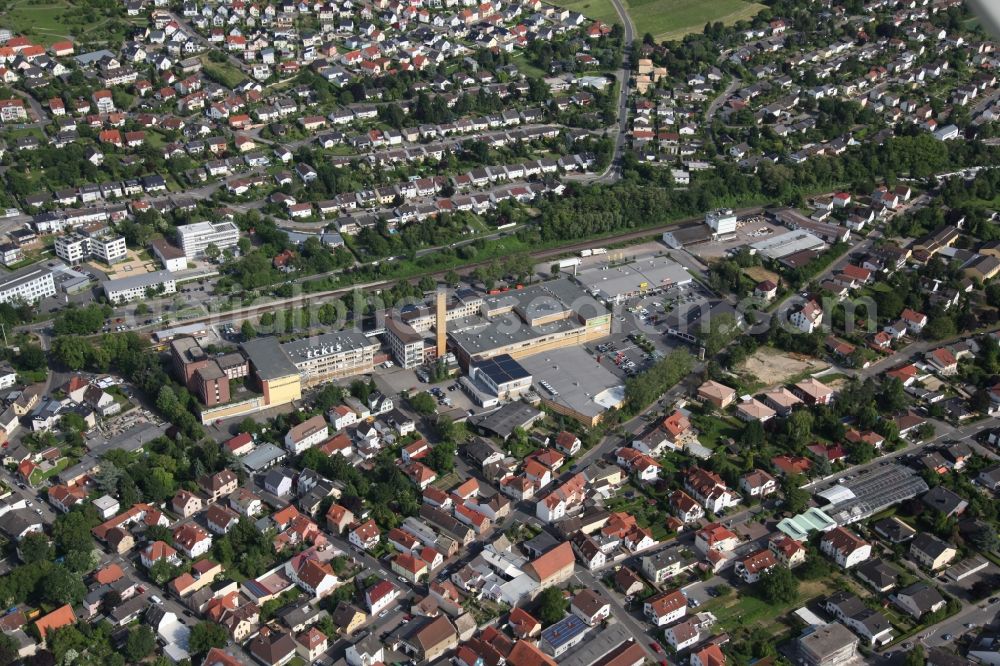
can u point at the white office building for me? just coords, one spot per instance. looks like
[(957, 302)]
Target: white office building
[(28, 285), (98, 243), (138, 286), (194, 238)]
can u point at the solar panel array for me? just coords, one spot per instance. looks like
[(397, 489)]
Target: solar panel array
[(879, 488), (502, 369)]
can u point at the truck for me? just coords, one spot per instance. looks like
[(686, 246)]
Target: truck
[(569, 263)]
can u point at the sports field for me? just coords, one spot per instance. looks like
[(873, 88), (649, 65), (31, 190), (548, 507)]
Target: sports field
[(667, 19)]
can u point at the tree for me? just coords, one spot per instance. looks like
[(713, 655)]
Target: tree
[(60, 586), (71, 531), (796, 499), (721, 330), (451, 278), (423, 403), (166, 401), (162, 571), (940, 327), (212, 251), (205, 636), (31, 357), (427, 283), (110, 601), (798, 426), (779, 586), (8, 650), (71, 351), (442, 458), (35, 547), (752, 435), (915, 657), (140, 643), (248, 331), (552, 605)]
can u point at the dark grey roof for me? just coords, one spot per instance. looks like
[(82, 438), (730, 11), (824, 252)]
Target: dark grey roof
[(15, 523), (941, 499), (268, 359), (503, 421), (923, 595), (929, 545), (878, 572)]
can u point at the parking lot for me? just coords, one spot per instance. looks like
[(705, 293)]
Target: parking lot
[(748, 230), (395, 380)]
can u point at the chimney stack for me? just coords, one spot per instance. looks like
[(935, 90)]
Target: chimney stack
[(441, 323)]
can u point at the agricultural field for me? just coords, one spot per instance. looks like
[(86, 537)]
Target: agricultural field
[(667, 19), (672, 19), (599, 10)]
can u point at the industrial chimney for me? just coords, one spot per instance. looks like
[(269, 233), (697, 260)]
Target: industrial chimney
[(441, 323)]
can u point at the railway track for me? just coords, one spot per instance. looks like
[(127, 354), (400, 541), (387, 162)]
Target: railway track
[(250, 312)]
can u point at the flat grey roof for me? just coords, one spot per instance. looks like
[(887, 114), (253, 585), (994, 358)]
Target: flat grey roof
[(478, 334), (133, 281), (326, 344), (827, 639), (697, 233), (782, 245), (596, 646), (654, 273), (581, 384), (566, 292), (22, 276), (268, 359), (261, 457), (503, 421)]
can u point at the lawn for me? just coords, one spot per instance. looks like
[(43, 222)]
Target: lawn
[(526, 67), (38, 476), (735, 610), (713, 429), (223, 73), (667, 19), (50, 21)]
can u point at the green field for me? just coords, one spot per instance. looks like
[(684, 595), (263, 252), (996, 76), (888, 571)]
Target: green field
[(667, 19), (48, 21), (223, 72)]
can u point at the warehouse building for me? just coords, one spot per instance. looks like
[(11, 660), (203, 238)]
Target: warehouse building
[(569, 382), (783, 245), (529, 321), (613, 285)]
